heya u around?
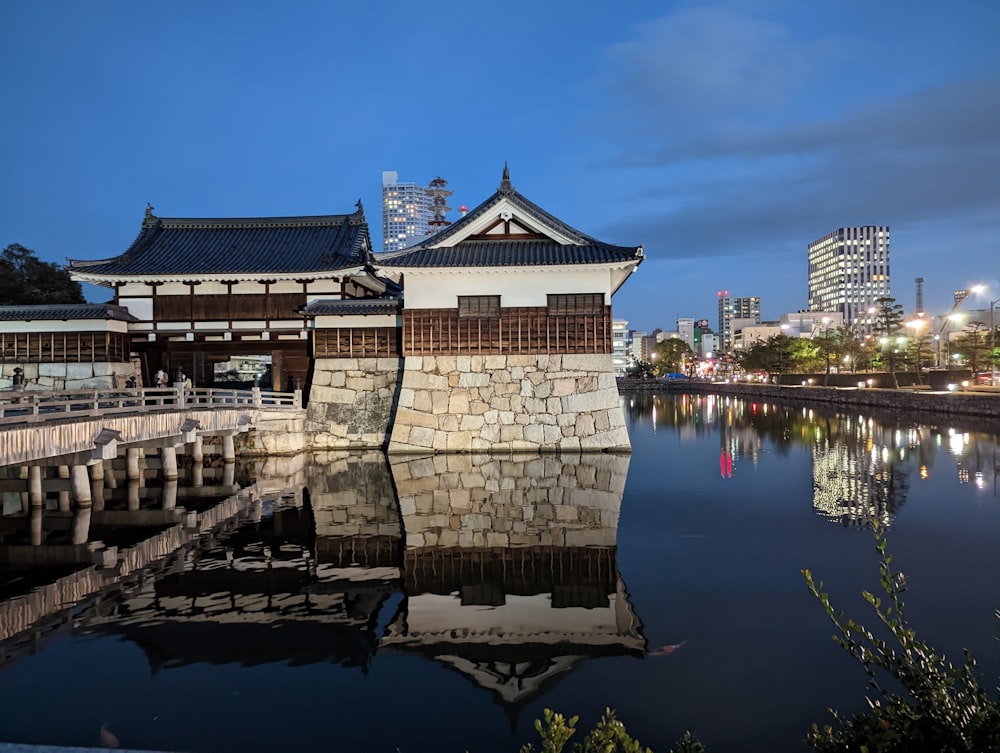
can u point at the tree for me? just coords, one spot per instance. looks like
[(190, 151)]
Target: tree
[(973, 345), (670, 353), (25, 279), (888, 321)]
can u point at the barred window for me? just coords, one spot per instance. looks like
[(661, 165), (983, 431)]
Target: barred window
[(479, 307), (576, 304)]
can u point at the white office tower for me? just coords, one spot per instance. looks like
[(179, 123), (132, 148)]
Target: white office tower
[(407, 210), (849, 270), (619, 346), (735, 310)]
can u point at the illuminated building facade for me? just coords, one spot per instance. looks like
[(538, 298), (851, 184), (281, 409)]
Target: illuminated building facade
[(407, 211), (731, 308), (849, 270)]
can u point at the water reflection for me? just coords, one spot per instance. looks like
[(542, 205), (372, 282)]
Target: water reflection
[(510, 567), (504, 569), (863, 465)]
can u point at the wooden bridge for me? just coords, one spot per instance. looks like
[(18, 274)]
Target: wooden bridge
[(80, 427)]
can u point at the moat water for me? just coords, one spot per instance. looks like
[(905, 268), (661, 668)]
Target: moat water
[(441, 604)]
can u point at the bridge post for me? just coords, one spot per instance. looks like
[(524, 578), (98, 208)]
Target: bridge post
[(80, 480), (228, 448), (198, 449), (132, 463), (36, 498), (35, 494), (97, 485), (81, 496), (168, 458), (197, 475)]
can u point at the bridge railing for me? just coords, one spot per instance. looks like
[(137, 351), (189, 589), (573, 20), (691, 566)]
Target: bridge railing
[(37, 406)]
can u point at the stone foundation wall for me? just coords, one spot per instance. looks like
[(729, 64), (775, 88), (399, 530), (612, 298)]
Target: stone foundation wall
[(351, 402), (70, 376), (522, 403)]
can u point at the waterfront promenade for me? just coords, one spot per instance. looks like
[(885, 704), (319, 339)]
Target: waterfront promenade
[(981, 402)]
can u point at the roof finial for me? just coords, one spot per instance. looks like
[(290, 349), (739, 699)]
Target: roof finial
[(149, 211), (361, 208), (150, 219), (505, 186)]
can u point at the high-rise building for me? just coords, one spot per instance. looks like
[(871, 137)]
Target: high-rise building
[(620, 359), (407, 211), (849, 270), (732, 308)]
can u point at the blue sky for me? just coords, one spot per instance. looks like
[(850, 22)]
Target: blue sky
[(722, 136)]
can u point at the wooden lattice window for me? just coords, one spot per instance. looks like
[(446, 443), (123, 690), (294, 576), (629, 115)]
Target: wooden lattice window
[(479, 307), (576, 304)]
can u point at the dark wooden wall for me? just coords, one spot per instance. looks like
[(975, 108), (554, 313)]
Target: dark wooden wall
[(517, 331)]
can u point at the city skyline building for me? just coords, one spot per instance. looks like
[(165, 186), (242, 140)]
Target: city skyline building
[(745, 308), (407, 212), (849, 270)]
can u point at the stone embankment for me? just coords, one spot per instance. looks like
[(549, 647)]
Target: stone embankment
[(973, 402), (520, 403)]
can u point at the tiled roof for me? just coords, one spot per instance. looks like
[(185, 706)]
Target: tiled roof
[(65, 312), (508, 253), (255, 245), (356, 306)]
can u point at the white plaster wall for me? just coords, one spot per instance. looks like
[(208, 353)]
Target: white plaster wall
[(521, 287)]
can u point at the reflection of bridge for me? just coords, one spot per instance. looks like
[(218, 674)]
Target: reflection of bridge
[(502, 569)]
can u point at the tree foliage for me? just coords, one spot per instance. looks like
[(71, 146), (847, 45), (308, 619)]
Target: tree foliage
[(942, 708), (25, 279), (670, 353)]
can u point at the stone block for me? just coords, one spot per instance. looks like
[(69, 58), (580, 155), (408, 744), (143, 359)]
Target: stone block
[(420, 401), (408, 417), (78, 371), (47, 369), (421, 436), (407, 398), (585, 425), (458, 403), (492, 363), (471, 423), (590, 401)]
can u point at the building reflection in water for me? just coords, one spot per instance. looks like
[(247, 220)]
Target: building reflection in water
[(510, 567), (863, 465), (504, 569)]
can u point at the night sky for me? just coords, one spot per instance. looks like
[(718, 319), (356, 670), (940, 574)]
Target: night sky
[(723, 136)]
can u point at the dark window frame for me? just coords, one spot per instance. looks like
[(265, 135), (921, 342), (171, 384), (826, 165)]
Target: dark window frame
[(478, 307), (575, 304)]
